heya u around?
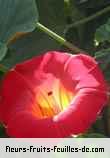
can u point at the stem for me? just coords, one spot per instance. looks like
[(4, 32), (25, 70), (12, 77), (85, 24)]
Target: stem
[(68, 11), (58, 38), (94, 16), (67, 7)]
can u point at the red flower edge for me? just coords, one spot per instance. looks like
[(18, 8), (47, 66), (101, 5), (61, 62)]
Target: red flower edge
[(79, 74)]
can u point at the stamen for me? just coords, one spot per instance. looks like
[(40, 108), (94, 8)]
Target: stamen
[(55, 103), (50, 93), (45, 98)]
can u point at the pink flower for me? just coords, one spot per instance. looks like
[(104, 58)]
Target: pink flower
[(52, 95)]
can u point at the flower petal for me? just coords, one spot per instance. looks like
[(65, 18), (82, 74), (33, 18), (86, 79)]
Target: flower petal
[(78, 74)]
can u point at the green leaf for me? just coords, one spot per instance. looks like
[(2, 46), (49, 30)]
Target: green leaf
[(103, 33), (3, 50), (103, 57), (17, 16), (37, 42), (29, 46)]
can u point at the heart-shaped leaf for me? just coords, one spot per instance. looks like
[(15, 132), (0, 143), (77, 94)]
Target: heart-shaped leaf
[(3, 50), (16, 16)]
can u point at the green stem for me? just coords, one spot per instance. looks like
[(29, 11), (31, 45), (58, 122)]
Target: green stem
[(58, 38), (92, 17), (67, 7), (68, 11)]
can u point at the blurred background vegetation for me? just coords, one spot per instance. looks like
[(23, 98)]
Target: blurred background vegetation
[(85, 23)]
